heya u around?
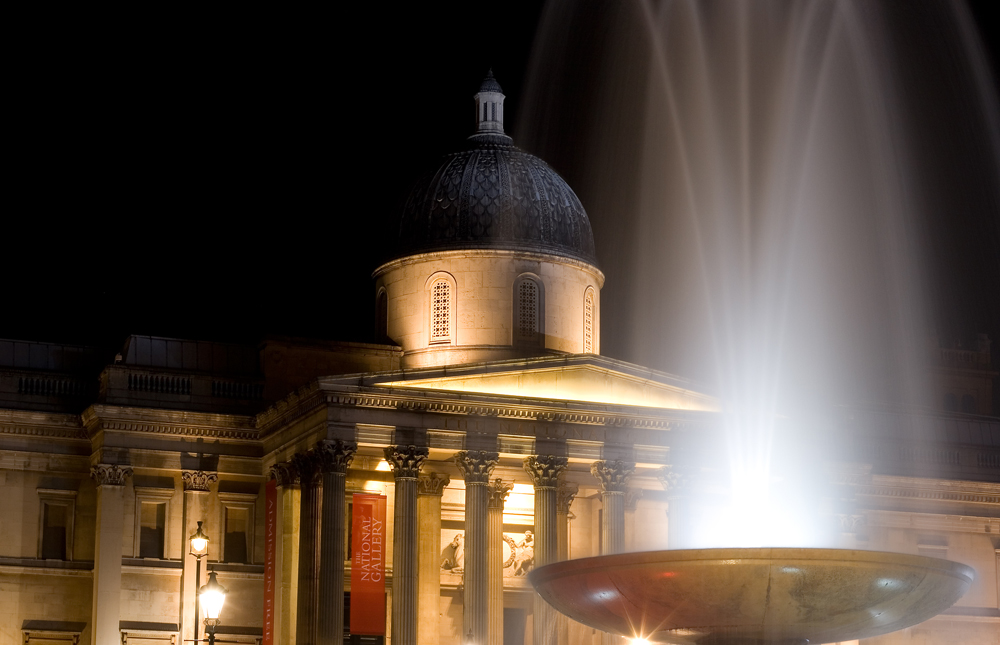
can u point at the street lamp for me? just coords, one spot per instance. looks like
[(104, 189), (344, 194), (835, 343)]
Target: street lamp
[(211, 597), (199, 549)]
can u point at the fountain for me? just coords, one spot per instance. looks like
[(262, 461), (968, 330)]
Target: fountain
[(782, 596), (761, 177)]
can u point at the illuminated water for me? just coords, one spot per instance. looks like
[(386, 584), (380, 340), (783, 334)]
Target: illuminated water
[(749, 168)]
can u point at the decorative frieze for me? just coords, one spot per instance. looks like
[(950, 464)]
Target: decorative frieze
[(335, 456), (544, 470), (405, 461), (476, 465), (110, 474), (498, 493), (432, 484), (613, 475), (198, 480)]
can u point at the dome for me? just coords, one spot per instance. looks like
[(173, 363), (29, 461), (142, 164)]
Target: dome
[(493, 195)]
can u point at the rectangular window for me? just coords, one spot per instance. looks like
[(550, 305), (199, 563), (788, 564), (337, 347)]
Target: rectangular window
[(237, 527), (55, 523), (152, 529)]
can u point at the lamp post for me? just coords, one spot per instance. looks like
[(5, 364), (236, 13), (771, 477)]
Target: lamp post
[(199, 549), (211, 597)]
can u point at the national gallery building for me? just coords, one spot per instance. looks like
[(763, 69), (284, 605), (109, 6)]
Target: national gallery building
[(399, 492)]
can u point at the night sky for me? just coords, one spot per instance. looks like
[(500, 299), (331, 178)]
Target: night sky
[(227, 177)]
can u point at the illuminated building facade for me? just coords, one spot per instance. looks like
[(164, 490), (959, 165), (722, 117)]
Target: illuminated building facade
[(499, 436)]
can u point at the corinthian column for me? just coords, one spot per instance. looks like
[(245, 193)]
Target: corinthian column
[(429, 489), (108, 550), (334, 458), (498, 492), (476, 467), (307, 467), (564, 498), (544, 471), (405, 462), (286, 569), (676, 484), (613, 476)]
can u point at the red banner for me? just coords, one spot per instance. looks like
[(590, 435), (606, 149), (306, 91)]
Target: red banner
[(368, 565), (270, 548)]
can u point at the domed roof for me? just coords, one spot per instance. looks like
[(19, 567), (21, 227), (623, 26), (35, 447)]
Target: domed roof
[(493, 195)]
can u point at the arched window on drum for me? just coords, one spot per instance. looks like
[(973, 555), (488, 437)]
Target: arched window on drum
[(589, 320), (529, 311), (441, 311)]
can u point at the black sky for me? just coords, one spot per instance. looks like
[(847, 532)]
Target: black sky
[(234, 175)]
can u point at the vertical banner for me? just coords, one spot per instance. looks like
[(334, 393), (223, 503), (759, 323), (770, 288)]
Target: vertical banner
[(368, 565), (270, 549)]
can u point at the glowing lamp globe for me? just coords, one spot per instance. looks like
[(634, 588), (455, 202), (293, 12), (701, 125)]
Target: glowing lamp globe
[(211, 597), (199, 543)]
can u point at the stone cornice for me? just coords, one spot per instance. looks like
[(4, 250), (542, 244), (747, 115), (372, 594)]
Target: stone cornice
[(911, 488), (499, 406), (41, 424), (297, 404), (105, 418)]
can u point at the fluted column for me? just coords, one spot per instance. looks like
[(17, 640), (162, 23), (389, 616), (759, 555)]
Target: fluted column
[(108, 551), (196, 489), (310, 479), (476, 467), (632, 497), (675, 484), (498, 492), (334, 458), (565, 495), (613, 476), (544, 471), (564, 499), (286, 565), (405, 462), (429, 489)]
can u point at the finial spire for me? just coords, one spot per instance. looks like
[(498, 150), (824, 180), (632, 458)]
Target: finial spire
[(489, 106)]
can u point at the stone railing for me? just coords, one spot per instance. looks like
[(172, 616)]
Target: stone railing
[(164, 388)]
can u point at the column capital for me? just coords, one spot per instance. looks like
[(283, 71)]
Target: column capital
[(673, 481), (335, 456), (405, 461), (307, 466), (432, 484), (476, 465), (613, 475), (198, 480), (498, 493), (564, 497), (632, 497), (284, 473), (545, 470), (110, 474)]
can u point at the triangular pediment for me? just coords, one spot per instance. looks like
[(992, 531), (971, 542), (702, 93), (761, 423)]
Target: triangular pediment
[(578, 377)]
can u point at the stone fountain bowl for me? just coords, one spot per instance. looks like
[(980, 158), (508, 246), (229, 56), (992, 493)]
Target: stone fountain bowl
[(748, 596)]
